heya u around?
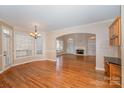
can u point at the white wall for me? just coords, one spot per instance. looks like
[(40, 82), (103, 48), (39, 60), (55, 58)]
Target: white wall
[(102, 40), (122, 47)]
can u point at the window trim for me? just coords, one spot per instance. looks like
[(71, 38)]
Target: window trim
[(33, 50)]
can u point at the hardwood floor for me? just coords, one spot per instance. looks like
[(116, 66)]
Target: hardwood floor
[(69, 71)]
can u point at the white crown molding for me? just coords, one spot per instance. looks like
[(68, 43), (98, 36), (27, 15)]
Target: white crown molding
[(84, 25)]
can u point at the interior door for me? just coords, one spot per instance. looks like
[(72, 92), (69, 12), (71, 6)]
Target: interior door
[(7, 48)]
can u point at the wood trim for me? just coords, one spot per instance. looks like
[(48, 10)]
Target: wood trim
[(116, 19)]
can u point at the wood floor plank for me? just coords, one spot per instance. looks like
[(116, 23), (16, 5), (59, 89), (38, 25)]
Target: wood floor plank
[(69, 71)]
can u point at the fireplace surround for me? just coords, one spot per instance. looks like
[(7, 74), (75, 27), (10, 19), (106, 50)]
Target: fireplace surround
[(80, 51)]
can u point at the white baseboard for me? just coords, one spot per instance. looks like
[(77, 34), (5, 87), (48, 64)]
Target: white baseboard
[(16, 64), (101, 69), (51, 60), (1, 72), (5, 69)]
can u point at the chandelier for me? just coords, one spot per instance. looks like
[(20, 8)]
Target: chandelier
[(35, 34)]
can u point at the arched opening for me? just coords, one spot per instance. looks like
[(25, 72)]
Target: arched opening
[(76, 46)]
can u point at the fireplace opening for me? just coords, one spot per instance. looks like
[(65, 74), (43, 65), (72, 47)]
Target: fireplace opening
[(80, 51)]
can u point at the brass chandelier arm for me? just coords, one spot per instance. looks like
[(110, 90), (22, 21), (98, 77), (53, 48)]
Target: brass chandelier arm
[(35, 34)]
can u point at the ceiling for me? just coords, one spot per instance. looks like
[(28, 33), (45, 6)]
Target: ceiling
[(51, 17)]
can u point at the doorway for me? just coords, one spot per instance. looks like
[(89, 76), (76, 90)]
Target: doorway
[(82, 44), (76, 46)]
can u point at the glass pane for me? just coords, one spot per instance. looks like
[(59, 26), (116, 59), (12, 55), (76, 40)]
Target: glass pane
[(70, 45), (39, 45), (23, 44), (59, 45)]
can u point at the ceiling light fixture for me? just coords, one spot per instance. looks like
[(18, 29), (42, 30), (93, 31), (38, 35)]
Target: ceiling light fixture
[(35, 34)]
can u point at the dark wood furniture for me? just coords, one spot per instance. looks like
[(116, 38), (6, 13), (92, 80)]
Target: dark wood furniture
[(113, 68)]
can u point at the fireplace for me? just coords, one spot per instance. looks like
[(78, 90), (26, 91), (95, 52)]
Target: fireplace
[(80, 51)]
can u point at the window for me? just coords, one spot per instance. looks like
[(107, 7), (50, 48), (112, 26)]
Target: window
[(70, 45), (59, 45), (38, 50), (23, 45)]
